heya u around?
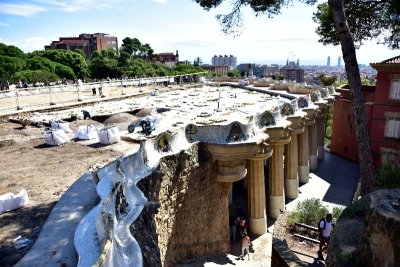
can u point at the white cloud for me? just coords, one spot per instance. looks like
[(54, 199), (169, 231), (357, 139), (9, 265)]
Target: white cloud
[(25, 10), (80, 5), (159, 1), (28, 44)]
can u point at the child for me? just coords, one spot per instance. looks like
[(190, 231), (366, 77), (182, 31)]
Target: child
[(245, 245)]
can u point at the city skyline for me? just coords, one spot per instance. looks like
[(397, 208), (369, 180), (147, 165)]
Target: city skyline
[(169, 26)]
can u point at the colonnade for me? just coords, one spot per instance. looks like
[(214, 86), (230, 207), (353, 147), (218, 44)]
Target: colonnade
[(292, 150)]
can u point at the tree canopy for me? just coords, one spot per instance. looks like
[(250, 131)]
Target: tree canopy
[(372, 19), (136, 49), (367, 20)]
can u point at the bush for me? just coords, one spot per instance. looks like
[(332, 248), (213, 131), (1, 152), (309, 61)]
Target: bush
[(309, 211), (388, 176)]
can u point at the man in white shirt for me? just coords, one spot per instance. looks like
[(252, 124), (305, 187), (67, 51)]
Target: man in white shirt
[(325, 228)]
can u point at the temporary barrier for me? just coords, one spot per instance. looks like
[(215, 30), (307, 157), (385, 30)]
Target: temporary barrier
[(55, 137), (86, 132), (11, 201), (109, 135)]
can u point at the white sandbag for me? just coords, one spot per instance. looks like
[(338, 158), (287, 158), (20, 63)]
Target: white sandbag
[(11, 201), (55, 137), (109, 135), (86, 132), (61, 125)]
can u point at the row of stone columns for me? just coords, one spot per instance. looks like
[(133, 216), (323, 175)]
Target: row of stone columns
[(303, 137)]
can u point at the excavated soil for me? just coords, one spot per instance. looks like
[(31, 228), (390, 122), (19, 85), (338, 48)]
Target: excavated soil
[(45, 172)]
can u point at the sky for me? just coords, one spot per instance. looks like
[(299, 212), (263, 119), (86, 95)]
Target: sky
[(170, 25)]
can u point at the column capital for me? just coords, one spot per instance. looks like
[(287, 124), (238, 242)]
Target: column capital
[(231, 171), (279, 135), (229, 152), (264, 152), (297, 124)]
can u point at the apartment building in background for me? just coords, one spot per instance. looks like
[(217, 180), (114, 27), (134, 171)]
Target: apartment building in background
[(88, 43), (229, 61), (292, 71)]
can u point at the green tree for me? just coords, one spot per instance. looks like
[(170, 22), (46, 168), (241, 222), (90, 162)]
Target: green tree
[(327, 81), (104, 64), (233, 73), (12, 59), (40, 63), (385, 23), (33, 76), (75, 60), (9, 66), (11, 51), (63, 71), (136, 49)]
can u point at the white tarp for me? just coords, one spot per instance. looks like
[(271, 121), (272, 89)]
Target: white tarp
[(86, 132), (11, 201), (61, 125), (109, 135), (55, 137)]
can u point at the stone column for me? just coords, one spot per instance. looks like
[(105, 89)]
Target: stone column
[(256, 196), (313, 136), (256, 193), (276, 180), (292, 157), (291, 169), (304, 171), (321, 137)]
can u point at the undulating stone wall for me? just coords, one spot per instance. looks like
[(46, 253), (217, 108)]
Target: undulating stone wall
[(192, 220)]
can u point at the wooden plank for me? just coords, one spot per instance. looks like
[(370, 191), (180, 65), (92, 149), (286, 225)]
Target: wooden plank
[(307, 238)]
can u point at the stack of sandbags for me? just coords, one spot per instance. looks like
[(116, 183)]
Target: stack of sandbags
[(61, 125), (55, 137), (11, 201), (109, 135), (86, 132)]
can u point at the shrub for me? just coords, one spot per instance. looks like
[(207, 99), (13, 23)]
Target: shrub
[(388, 176), (309, 211)]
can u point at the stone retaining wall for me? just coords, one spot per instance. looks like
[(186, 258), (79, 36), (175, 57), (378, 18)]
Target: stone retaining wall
[(193, 217)]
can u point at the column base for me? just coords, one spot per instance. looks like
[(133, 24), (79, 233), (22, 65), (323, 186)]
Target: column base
[(291, 188), (321, 153), (304, 174), (313, 162), (258, 226), (276, 205)]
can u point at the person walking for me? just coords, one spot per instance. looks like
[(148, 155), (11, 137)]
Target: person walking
[(325, 228), (245, 246)]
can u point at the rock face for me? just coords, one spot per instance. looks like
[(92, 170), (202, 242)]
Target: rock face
[(193, 218), (368, 232)]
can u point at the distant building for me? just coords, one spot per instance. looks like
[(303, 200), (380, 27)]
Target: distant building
[(89, 43), (169, 59), (292, 71), (229, 61), (250, 69), (222, 70), (271, 70), (328, 61), (339, 61)]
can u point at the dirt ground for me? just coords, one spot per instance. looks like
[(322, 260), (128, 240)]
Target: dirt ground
[(45, 172)]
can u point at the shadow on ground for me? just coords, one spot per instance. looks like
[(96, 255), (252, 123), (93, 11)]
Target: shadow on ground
[(27, 222)]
